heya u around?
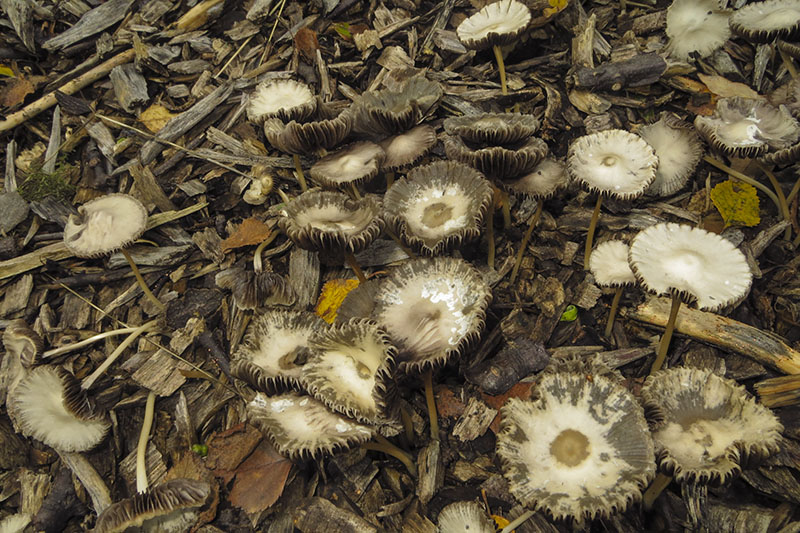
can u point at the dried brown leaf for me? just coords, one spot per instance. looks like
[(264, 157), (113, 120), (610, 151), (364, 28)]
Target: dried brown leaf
[(15, 92), (228, 449), (250, 232), (260, 479), (305, 40)]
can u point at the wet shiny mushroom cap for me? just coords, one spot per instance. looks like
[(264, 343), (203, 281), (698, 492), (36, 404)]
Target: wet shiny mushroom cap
[(500, 162), (706, 427), (496, 129), (356, 163), (408, 147), (764, 21), (697, 265), (744, 127), (580, 450), (498, 23), (613, 162), (105, 225), (696, 27), (438, 206), (284, 99), (393, 111), (609, 264), (678, 149), (301, 427)]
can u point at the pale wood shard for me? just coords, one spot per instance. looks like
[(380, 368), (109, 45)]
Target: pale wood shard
[(92, 22), (763, 346), (89, 478), (474, 421), (149, 189), (20, 13), (130, 87)]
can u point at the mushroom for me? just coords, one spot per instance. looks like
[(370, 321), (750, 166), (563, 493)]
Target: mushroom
[(393, 111), (500, 162), (356, 163), (495, 129), (22, 343), (253, 290), (610, 268), (696, 26), (611, 162), (105, 225), (465, 517), (689, 264), (438, 207), (678, 149), (763, 22), (497, 24), (405, 149), (171, 507), (284, 99)]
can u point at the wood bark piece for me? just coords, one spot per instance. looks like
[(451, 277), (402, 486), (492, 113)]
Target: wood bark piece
[(474, 421), (318, 515), (431, 471), (149, 189), (765, 347), (641, 69), (130, 87), (89, 478), (93, 21), (20, 12)]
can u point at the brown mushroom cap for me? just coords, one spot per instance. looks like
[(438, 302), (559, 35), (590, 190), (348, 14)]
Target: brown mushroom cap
[(495, 129), (253, 290), (167, 508), (696, 27), (763, 21), (407, 148), (499, 23), (105, 225), (22, 342), (389, 112), (546, 179), (284, 99), (678, 149), (354, 163), (308, 137), (504, 163), (706, 427)]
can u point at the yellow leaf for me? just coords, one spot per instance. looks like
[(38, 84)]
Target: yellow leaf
[(332, 296), (556, 6), (5, 71), (500, 521), (737, 203), (155, 117)]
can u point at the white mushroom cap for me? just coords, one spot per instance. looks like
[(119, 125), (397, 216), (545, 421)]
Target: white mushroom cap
[(582, 449), (355, 163), (407, 148), (609, 264), (679, 150), (678, 259), (614, 162), (49, 405), (465, 517), (699, 26), (546, 179), (498, 23), (285, 99), (105, 225), (15, 523), (764, 21)]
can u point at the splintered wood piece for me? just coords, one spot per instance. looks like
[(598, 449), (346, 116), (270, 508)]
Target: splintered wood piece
[(474, 421), (92, 22), (154, 461), (780, 391), (130, 87), (89, 478), (319, 515), (765, 347), (431, 471), (641, 69)]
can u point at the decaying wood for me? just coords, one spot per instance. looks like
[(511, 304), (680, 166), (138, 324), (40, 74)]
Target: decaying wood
[(780, 391), (474, 421), (318, 515), (641, 69), (92, 22), (430, 471), (90, 479), (130, 87)]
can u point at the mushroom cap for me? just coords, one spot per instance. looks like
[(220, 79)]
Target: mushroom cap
[(613, 162), (431, 309), (284, 99), (302, 427), (438, 206), (253, 290), (465, 517), (580, 450), (793, 49), (105, 225), (696, 26), (705, 427), (692, 263), (745, 127), (308, 137), (332, 221), (499, 23), (350, 369), (354, 163), (164, 508), (546, 179), (496, 129), (389, 112), (275, 349), (783, 157), (408, 147), (49, 405), (764, 21), (678, 149), (504, 163), (22, 342), (609, 264)]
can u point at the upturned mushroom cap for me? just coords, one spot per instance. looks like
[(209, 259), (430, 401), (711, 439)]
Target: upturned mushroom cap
[(499, 23), (609, 264), (501, 162), (49, 405), (253, 290), (389, 112), (437, 207), (696, 26), (355, 163), (350, 369), (764, 21), (308, 137), (744, 127), (496, 129), (302, 427), (465, 517), (407, 148), (678, 149), (332, 221), (284, 99), (105, 225), (581, 450), (22, 342), (545, 180), (171, 507), (696, 265), (705, 427), (274, 351), (613, 162)]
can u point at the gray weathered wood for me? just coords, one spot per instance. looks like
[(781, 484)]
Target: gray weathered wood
[(20, 12), (130, 87), (94, 21), (304, 276)]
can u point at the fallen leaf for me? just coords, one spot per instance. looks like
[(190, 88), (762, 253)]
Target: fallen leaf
[(228, 449), (737, 203), (331, 297), (556, 6), (15, 92), (520, 390), (305, 40), (725, 88), (155, 117), (250, 232), (260, 479), (448, 405)]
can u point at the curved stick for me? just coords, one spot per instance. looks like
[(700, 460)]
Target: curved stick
[(140, 280), (86, 342), (89, 380)]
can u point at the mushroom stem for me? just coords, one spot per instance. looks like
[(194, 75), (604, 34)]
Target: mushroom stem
[(354, 191), (409, 252), (140, 280), (285, 199), (384, 446), (505, 206), (490, 235), (301, 178), (501, 67), (389, 180), (352, 263), (408, 424), (784, 205), (745, 178), (258, 266), (655, 489), (612, 314), (793, 192), (431, 401), (527, 237), (661, 355), (86, 342), (518, 521), (141, 448), (91, 378), (590, 235)]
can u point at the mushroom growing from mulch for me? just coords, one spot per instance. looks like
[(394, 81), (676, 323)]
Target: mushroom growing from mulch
[(696, 27), (465, 517), (678, 149), (396, 110), (610, 268), (349, 166), (763, 22), (284, 99)]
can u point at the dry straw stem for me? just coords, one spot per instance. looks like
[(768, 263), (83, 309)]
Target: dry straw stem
[(763, 346)]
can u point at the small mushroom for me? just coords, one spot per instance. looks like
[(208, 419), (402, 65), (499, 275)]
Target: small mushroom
[(407, 148), (763, 22), (500, 162), (22, 342), (465, 517), (356, 163), (284, 99), (610, 268), (393, 111), (253, 290), (696, 27), (495, 129), (678, 149)]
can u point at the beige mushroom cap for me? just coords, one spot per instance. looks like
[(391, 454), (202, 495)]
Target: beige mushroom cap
[(498, 23), (104, 225), (465, 517), (284, 99), (609, 264), (764, 21), (679, 150), (696, 26)]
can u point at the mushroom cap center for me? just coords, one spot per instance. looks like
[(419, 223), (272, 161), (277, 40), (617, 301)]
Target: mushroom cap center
[(610, 160), (570, 447), (436, 214)]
